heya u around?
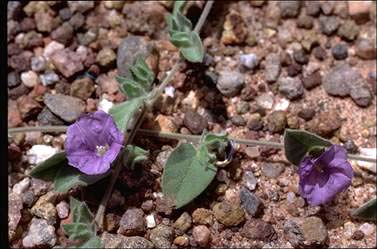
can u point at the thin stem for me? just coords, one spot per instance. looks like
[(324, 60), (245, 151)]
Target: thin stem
[(203, 16), (193, 138)]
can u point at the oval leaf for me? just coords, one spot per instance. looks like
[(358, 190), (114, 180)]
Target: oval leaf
[(194, 53), (187, 173), (123, 112), (298, 142), (367, 211), (47, 169)]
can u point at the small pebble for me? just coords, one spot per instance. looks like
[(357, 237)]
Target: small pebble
[(62, 209), (340, 51), (201, 235)]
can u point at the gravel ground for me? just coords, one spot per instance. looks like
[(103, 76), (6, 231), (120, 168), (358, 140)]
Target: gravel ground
[(268, 66)]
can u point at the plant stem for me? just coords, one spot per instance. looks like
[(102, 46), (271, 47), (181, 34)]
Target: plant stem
[(178, 136), (203, 16)]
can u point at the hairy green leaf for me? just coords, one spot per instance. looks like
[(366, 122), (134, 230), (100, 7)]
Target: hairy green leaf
[(188, 171), (135, 154), (131, 88), (181, 39), (82, 227), (297, 143), (194, 53), (64, 176), (47, 169), (123, 112), (368, 211), (178, 6)]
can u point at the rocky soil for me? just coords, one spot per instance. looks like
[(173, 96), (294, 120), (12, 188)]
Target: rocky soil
[(268, 66)]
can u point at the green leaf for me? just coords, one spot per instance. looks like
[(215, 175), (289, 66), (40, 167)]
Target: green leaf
[(79, 231), (368, 211), (135, 154), (69, 177), (82, 226), (178, 6), (131, 88), (194, 53), (297, 143), (181, 39), (47, 169), (123, 112), (184, 24), (93, 242), (188, 171)]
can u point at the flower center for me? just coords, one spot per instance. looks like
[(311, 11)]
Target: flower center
[(101, 149), (319, 168)]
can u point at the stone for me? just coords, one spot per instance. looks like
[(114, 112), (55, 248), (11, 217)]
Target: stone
[(289, 9), (67, 62), (258, 229), (80, 6), (106, 57), (66, 107), (350, 146), (183, 223), (112, 222), (272, 67), (201, 234), (144, 17), (230, 83), (361, 95), (319, 53), (62, 209), (150, 221), (162, 236), (13, 9), (44, 21), (77, 21), (340, 51), (277, 121), (249, 61), (165, 123), (359, 10), (130, 48), (28, 198), (14, 115), (250, 202), (38, 63), (82, 88), (306, 113), (337, 81), (46, 117), (20, 62), (306, 232), (234, 29), (49, 78), (51, 48), (44, 208), (63, 34), (195, 122), (28, 107), (313, 8), (183, 241), (305, 21), (228, 214), (291, 88), (272, 170), (13, 79), (119, 241), (358, 235), (39, 187), (249, 180), (114, 4), (14, 213), (328, 24), (300, 56), (366, 49), (252, 152), (265, 101), (40, 234), (238, 120), (255, 122), (294, 69), (21, 186), (312, 80), (242, 107), (327, 7), (325, 123), (65, 14), (202, 216), (367, 228), (348, 30), (132, 222)]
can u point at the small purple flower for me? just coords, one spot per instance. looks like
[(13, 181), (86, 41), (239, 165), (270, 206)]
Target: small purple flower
[(323, 177), (93, 142)]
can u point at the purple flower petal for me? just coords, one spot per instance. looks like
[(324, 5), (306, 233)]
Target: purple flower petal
[(93, 142), (323, 177)]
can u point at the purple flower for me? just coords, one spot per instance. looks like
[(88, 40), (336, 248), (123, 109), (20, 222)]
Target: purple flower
[(323, 177), (93, 142)]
